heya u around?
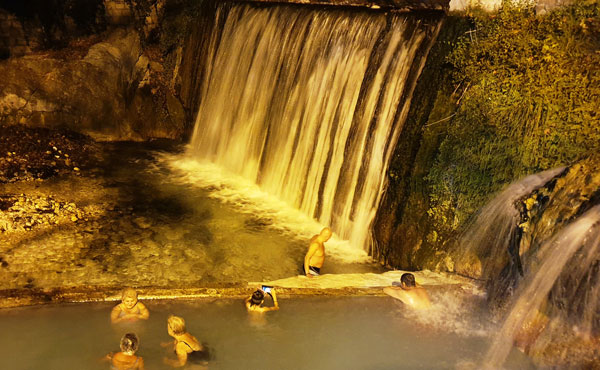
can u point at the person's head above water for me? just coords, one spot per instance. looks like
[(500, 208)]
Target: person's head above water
[(408, 280), (257, 298), (129, 343), (325, 234), (129, 297), (176, 324)]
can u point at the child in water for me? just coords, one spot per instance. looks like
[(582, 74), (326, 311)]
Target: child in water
[(130, 309), (126, 359), (254, 303), (186, 346)]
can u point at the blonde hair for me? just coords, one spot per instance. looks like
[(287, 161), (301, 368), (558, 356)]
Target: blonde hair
[(177, 324), (128, 292)]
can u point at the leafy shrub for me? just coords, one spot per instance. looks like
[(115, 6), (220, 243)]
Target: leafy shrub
[(531, 104)]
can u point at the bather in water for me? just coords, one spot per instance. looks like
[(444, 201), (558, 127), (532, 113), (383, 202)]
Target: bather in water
[(126, 359), (187, 348), (130, 309)]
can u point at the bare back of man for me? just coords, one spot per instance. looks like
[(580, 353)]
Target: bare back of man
[(409, 293), (416, 298)]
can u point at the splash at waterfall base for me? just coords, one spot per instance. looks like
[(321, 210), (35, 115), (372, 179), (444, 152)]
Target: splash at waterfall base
[(537, 247)]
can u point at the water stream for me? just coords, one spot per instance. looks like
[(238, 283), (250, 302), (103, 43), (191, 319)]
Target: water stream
[(308, 104), (582, 236), (489, 235)]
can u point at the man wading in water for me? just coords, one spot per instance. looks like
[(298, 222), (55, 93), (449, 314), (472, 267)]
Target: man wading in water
[(313, 261)]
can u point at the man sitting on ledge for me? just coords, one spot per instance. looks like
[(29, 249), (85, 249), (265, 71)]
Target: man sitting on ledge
[(407, 291)]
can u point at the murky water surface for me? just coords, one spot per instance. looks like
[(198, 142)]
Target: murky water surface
[(309, 333)]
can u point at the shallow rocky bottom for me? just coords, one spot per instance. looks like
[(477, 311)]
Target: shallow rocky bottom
[(118, 220)]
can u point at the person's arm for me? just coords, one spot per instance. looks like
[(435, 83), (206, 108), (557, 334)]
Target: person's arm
[(108, 357), (170, 343), (180, 350), (275, 304), (114, 314), (312, 248), (144, 313)]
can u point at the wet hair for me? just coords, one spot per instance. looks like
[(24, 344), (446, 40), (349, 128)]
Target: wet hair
[(177, 324), (408, 279), (128, 292), (129, 342), (257, 297)]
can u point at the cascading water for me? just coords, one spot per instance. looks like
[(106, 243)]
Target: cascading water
[(538, 244), (583, 237), (489, 235), (309, 103)]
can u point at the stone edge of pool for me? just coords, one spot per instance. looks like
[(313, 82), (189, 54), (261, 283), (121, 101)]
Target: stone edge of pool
[(368, 284), (31, 297)]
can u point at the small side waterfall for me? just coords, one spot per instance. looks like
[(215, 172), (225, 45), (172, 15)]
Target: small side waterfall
[(538, 245), (495, 224), (309, 104), (582, 237)]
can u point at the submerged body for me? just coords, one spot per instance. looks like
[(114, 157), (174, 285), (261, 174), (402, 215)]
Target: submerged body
[(416, 298), (130, 309), (187, 348), (126, 359)]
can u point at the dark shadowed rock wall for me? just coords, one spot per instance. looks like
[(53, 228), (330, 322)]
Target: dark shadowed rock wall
[(401, 228), (94, 67), (106, 93)]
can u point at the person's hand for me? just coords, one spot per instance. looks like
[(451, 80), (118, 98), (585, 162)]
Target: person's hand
[(309, 276)]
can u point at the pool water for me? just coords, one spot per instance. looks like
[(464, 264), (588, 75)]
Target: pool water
[(308, 333)]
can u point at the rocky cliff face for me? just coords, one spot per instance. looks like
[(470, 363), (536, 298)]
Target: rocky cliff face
[(402, 225), (108, 91)]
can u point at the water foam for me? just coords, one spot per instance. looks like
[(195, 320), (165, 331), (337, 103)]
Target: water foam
[(447, 312), (247, 197)]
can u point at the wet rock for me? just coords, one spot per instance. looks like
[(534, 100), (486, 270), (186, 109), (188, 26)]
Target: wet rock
[(174, 234), (100, 93), (29, 212), (142, 222), (30, 153)]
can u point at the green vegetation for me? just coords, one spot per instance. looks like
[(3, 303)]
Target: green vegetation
[(531, 94)]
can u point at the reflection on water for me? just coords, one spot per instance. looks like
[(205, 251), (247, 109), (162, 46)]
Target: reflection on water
[(310, 333)]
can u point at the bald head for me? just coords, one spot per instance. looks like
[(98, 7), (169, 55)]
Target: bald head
[(325, 234)]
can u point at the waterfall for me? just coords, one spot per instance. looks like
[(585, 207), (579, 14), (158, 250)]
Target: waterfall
[(581, 236), (488, 236), (308, 103)]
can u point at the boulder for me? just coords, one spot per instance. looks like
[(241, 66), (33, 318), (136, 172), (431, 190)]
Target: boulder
[(101, 94)]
